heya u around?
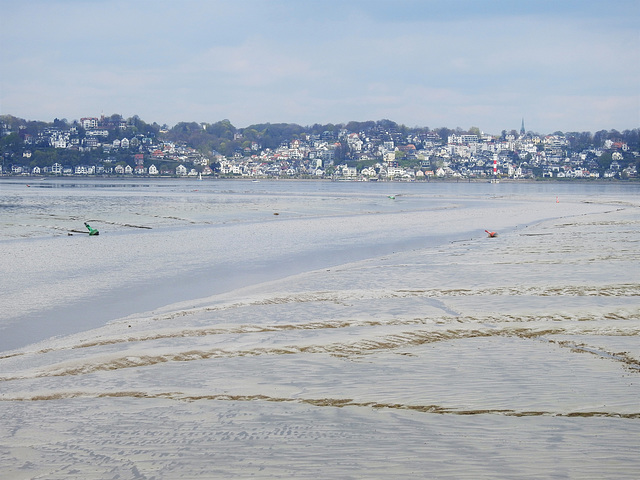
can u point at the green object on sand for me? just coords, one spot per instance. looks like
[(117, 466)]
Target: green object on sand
[(92, 231)]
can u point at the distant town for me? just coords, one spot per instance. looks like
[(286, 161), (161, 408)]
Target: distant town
[(363, 151)]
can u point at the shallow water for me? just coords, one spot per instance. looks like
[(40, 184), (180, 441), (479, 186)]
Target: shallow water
[(350, 336)]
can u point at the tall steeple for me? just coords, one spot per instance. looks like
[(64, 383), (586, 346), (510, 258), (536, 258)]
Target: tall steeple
[(522, 130)]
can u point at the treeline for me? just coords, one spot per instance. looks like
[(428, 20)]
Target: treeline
[(584, 140), (133, 126), (224, 138)]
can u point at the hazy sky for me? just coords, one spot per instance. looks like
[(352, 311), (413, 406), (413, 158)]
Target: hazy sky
[(569, 65)]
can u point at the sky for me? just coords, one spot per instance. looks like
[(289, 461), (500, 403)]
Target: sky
[(561, 65)]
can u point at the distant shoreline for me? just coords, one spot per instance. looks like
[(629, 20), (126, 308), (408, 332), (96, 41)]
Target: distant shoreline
[(27, 178)]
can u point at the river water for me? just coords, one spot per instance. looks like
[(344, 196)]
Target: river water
[(235, 329)]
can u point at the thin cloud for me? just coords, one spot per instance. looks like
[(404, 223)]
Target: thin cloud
[(562, 65)]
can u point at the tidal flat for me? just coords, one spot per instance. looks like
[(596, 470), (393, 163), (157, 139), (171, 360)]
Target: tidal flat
[(365, 331)]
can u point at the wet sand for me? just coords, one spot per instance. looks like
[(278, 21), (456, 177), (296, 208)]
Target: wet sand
[(468, 357)]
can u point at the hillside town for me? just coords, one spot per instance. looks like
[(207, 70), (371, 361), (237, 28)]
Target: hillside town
[(369, 151)]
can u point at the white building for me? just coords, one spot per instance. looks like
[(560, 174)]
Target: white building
[(89, 122)]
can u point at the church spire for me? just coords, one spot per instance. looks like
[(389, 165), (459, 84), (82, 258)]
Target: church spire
[(522, 130)]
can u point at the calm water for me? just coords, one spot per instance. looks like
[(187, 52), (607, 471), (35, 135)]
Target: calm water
[(231, 329)]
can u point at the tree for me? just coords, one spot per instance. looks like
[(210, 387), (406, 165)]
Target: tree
[(387, 125), (443, 132), (341, 151), (183, 130), (251, 135), (579, 141), (61, 124), (357, 127), (222, 129), (599, 138), (11, 143), (140, 127), (632, 138), (272, 135), (605, 161)]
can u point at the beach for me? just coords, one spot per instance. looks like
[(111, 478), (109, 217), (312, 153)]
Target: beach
[(236, 329)]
